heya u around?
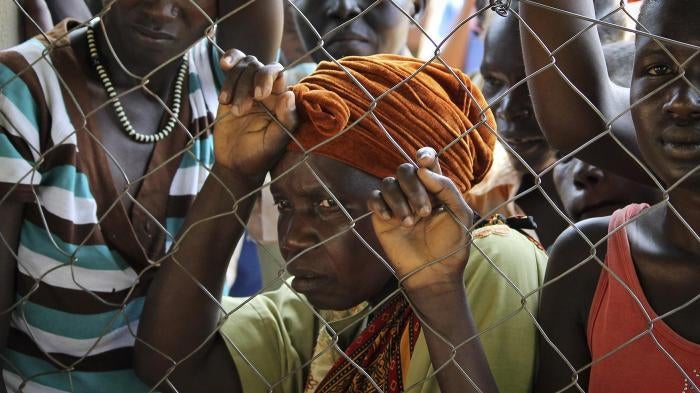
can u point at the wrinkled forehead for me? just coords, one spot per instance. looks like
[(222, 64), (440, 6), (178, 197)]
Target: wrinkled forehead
[(312, 174)]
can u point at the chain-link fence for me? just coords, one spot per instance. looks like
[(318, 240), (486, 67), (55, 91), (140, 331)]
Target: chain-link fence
[(93, 219)]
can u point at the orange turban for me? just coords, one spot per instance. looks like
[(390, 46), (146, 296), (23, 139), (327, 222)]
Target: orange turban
[(430, 109)]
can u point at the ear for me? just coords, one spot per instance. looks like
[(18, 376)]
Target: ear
[(418, 7)]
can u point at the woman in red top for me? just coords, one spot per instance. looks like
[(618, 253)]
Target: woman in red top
[(634, 325)]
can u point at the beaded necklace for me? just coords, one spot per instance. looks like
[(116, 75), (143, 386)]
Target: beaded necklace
[(119, 109)]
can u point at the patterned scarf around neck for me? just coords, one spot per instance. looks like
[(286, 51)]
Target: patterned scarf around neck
[(383, 350)]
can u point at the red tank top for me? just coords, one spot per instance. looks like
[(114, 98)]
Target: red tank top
[(616, 319)]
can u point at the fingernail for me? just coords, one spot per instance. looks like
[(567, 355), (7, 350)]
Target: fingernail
[(424, 211), (228, 60), (235, 110), (408, 221), (425, 155), (385, 216), (223, 96), (258, 93), (291, 104)]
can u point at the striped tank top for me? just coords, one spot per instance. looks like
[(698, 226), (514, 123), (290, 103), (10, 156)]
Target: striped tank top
[(81, 275)]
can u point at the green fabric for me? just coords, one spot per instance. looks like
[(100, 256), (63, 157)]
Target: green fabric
[(276, 331)]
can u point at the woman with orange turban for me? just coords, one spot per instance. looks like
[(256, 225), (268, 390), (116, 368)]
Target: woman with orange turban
[(407, 297)]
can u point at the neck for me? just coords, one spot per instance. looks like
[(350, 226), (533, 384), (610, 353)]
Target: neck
[(686, 204), (126, 71)]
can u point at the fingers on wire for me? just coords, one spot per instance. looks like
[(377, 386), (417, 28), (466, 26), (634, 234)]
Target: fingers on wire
[(414, 193), (248, 80)]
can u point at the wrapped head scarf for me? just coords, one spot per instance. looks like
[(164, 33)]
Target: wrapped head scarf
[(427, 107)]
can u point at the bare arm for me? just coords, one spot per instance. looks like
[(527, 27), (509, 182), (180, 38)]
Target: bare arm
[(436, 291), (11, 213), (564, 116), (246, 146), (74, 9), (255, 29), (564, 309), (175, 300)]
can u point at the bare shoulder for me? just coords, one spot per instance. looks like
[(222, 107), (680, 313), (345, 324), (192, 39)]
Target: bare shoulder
[(575, 263)]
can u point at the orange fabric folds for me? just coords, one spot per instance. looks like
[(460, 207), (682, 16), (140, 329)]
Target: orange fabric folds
[(429, 109)]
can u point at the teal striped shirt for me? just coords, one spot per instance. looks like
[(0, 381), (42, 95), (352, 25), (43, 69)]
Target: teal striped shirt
[(79, 279)]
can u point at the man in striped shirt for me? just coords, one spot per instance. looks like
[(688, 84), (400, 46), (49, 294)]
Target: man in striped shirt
[(87, 210)]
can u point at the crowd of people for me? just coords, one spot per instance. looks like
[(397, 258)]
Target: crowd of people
[(530, 227)]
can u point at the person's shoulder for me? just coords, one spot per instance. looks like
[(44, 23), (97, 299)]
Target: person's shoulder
[(577, 244), (506, 242), (500, 251), (574, 267)]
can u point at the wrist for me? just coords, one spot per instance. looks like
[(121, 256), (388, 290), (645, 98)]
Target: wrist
[(435, 291), (233, 178)]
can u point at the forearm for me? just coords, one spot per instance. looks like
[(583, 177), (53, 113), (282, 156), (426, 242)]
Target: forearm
[(75, 9), (447, 313), (581, 61), (184, 294), (564, 115), (255, 30)]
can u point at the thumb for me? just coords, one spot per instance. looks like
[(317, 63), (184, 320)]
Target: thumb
[(447, 194), (426, 157)]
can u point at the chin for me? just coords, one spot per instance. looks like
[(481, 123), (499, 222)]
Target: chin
[(331, 304)]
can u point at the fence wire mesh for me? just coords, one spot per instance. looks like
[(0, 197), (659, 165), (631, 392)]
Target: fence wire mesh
[(49, 265)]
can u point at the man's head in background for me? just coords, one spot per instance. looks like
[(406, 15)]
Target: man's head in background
[(503, 69), (372, 26)]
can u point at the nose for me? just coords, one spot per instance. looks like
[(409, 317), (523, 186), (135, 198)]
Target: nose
[(515, 105), (344, 9), (297, 233), (684, 103), (587, 176), (161, 11)]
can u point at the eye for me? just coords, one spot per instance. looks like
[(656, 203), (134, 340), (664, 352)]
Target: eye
[(659, 70), (328, 203), (283, 205), (492, 82)]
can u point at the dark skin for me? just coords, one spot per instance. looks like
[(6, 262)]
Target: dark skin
[(583, 63), (503, 68), (340, 273), (383, 29), (308, 216), (179, 24), (665, 253), (587, 191), (184, 25)]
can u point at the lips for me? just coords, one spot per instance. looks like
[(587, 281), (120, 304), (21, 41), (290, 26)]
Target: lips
[(527, 144), (150, 35), (599, 209), (306, 280), (681, 142)]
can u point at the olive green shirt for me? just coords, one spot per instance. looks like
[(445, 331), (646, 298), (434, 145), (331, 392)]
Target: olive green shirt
[(271, 337)]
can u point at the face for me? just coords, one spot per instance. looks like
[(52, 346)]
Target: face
[(342, 272), (148, 33), (587, 191), (502, 68), (382, 29), (668, 122)]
